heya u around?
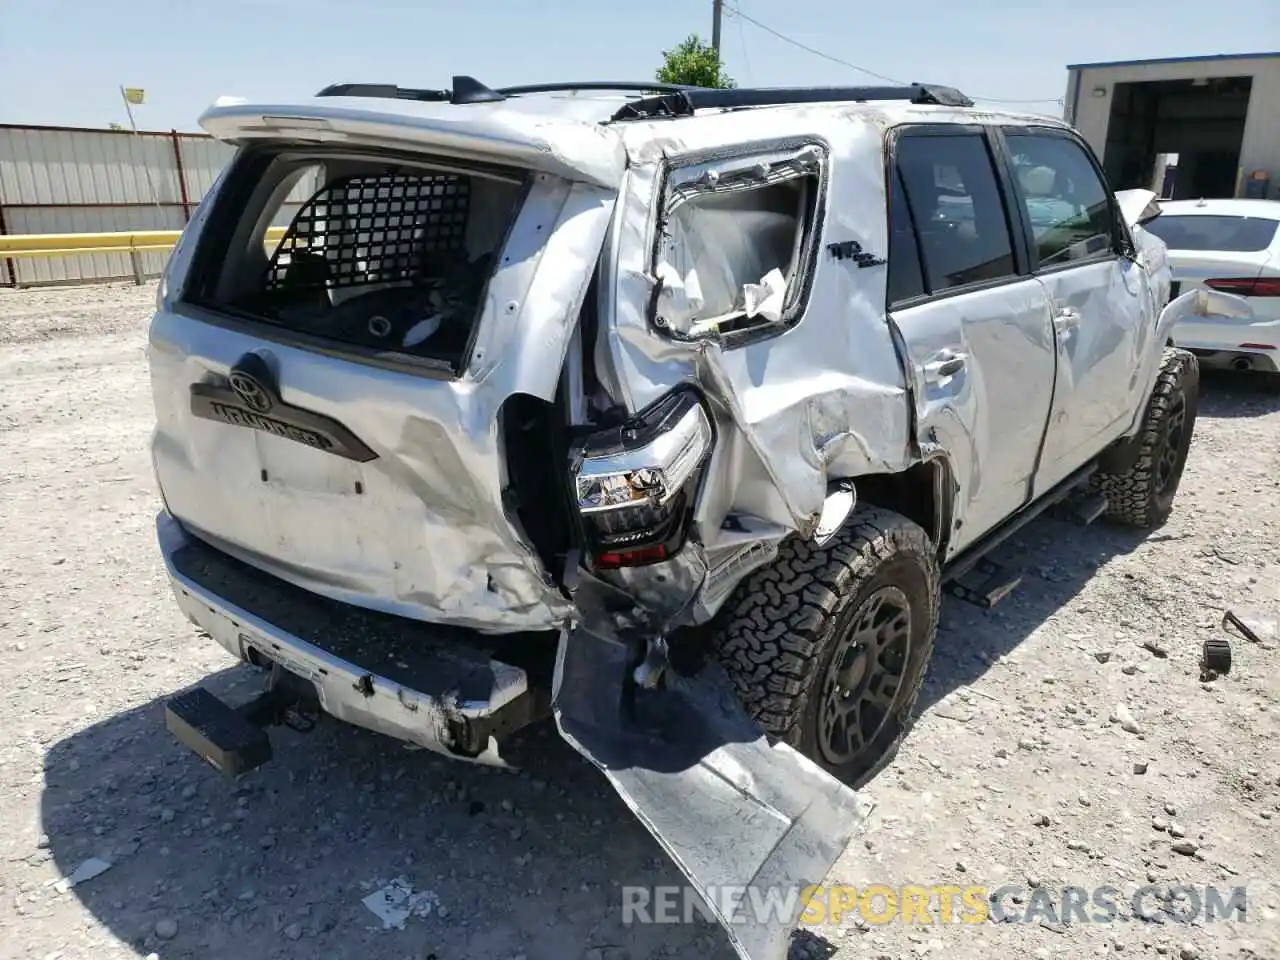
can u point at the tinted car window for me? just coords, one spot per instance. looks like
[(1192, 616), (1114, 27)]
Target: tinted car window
[(1228, 234), (906, 280), (959, 215), (1065, 199)]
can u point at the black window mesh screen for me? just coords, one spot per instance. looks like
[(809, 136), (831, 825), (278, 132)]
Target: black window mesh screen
[(371, 229)]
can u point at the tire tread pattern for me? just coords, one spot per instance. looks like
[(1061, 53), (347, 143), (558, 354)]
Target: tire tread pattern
[(1132, 498), (778, 622)]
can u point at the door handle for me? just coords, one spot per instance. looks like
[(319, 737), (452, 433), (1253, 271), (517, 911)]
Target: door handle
[(945, 363), (1066, 319)]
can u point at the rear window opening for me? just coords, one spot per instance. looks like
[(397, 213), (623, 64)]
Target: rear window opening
[(375, 253)]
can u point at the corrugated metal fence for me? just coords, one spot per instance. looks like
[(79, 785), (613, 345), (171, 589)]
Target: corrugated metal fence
[(73, 180)]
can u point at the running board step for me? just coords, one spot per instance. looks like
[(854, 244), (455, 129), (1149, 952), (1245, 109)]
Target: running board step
[(1090, 508), (226, 738), (1083, 510), (986, 584)]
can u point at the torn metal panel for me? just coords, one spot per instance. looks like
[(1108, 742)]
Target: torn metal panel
[(743, 543), (1201, 304), (822, 398), (664, 591), (535, 297), (734, 811)]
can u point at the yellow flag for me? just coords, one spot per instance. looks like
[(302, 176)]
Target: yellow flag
[(134, 94)]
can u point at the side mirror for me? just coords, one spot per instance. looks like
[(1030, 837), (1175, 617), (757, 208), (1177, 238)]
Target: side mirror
[(1138, 206)]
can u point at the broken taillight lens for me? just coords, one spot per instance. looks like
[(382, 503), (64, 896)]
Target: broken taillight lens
[(1247, 286), (634, 483)]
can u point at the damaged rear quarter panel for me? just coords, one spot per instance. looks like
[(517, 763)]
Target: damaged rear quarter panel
[(824, 399)]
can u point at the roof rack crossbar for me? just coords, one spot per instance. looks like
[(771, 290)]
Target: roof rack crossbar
[(384, 91), (465, 90), (625, 86), (684, 102)]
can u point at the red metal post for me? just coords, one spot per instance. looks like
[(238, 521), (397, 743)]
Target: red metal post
[(182, 176)]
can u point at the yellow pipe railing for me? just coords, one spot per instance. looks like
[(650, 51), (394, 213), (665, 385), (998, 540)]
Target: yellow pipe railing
[(21, 245), (66, 244)]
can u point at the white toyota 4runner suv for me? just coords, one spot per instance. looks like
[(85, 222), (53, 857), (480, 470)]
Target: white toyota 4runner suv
[(670, 412)]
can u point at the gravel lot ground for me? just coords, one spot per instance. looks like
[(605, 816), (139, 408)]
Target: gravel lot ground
[(1015, 773)]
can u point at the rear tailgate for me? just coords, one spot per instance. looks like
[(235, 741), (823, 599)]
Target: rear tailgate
[(362, 474)]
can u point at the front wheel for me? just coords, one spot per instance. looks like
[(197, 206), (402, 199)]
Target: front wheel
[(827, 647), (1142, 495)]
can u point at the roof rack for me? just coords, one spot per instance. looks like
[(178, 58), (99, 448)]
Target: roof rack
[(682, 103), (469, 90), (671, 100)]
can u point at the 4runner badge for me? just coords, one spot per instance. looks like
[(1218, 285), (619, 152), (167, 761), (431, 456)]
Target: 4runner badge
[(250, 394)]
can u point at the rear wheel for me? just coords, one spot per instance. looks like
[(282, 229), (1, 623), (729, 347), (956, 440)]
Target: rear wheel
[(1142, 495), (827, 646)]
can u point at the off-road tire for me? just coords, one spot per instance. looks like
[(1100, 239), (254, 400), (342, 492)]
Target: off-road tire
[(780, 631), (1136, 496)]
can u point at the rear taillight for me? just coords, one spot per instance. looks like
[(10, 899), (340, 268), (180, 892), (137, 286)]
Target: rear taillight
[(1247, 286), (634, 484)]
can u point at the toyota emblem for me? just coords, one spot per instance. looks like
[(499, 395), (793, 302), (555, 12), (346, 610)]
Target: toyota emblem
[(252, 392)]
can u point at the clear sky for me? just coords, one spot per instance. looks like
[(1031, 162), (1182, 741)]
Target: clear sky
[(63, 61)]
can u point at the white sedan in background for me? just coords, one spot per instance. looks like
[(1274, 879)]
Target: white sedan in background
[(1232, 246)]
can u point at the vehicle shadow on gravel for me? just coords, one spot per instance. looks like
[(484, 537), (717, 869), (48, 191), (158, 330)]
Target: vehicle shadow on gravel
[(512, 864), (1227, 394), (1057, 558)]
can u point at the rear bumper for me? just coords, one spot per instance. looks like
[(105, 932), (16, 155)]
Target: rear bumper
[(416, 682), (1219, 341)]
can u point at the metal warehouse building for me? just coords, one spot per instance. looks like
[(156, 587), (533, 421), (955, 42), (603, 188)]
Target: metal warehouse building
[(1184, 126)]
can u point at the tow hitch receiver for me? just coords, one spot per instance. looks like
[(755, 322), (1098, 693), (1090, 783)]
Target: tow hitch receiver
[(750, 823)]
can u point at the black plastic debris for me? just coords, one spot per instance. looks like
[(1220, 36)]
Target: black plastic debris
[(1230, 618), (1215, 658), (1155, 649)]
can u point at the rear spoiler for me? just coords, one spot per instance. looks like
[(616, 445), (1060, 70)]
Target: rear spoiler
[(488, 132)]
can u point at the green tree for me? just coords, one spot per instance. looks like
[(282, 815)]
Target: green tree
[(693, 63)]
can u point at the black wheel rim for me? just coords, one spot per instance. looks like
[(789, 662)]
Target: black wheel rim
[(1171, 449), (865, 674)]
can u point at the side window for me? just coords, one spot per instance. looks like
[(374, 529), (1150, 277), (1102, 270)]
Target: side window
[(736, 244), (906, 279), (960, 220), (1066, 202)]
